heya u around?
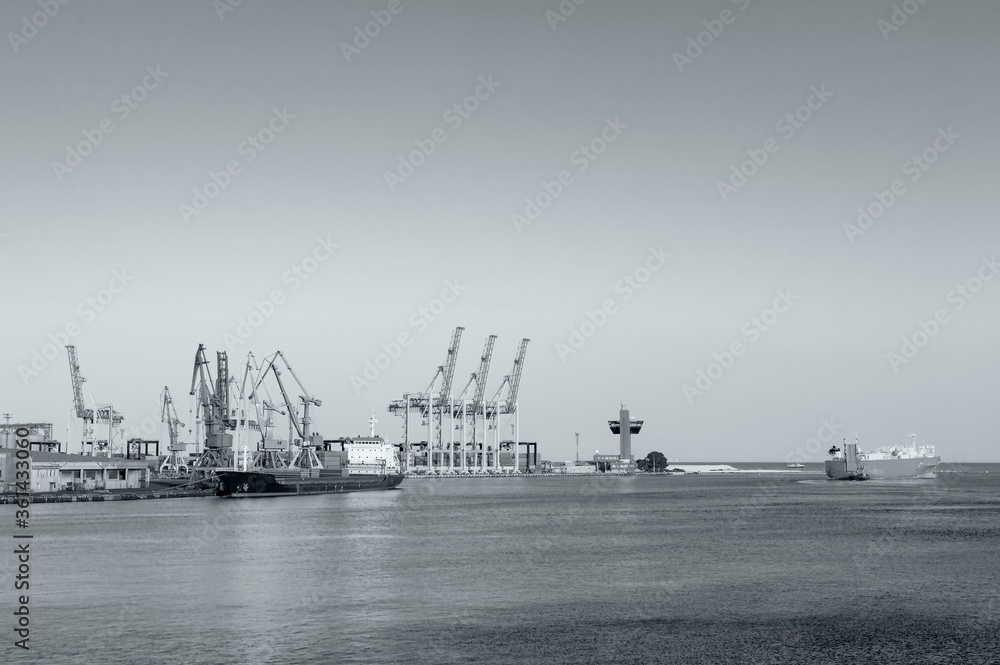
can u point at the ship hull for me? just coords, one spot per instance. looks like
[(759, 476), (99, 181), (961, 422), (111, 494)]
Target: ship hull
[(888, 468), (249, 484)]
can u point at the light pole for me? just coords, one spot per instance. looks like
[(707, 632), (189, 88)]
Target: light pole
[(6, 431)]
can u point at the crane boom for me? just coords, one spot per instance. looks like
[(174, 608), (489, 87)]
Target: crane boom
[(74, 373), (168, 414), (203, 381), (515, 377), (449, 364), (484, 368), (288, 402)]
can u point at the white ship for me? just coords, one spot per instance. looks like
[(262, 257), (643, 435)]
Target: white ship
[(908, 461)]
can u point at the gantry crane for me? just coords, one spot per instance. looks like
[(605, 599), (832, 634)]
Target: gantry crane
[(174, 462), (477, 405), (432, 403), (496, 408)]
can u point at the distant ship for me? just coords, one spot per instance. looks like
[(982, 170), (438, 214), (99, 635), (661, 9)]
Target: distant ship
[(888, 462), (796, 465)]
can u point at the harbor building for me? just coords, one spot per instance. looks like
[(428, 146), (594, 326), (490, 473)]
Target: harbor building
[(52, 472)]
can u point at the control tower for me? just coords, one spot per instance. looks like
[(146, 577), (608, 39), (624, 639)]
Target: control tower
[(625, 427)]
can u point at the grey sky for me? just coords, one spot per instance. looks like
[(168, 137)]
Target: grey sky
[(887, 96)]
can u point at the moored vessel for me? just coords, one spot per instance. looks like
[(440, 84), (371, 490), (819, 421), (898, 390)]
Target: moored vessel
[(363, 463), (250, 484)]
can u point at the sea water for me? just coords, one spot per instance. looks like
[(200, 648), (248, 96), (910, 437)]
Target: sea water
[(741, 568)]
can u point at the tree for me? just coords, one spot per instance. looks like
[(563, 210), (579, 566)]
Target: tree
[(654, 461)]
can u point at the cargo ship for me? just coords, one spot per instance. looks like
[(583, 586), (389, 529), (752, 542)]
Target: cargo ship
[(368, 463), (249, 484), (910, 461)]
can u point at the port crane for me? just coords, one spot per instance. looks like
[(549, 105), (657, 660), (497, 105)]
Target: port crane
[(174, 462), (472, 415), (432, 402), (508, 407), (268, 450), (465, 412), (214, 404), (82, 412), (102, 413), (268, 454), (306, 457)]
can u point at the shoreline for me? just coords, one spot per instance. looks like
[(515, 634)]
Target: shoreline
[(90, 497)]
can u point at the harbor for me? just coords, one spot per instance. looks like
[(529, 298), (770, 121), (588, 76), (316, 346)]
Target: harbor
[(500, 333)]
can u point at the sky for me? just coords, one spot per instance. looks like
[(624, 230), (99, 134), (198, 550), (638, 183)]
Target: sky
[(764, 226)]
